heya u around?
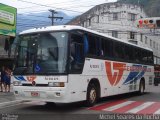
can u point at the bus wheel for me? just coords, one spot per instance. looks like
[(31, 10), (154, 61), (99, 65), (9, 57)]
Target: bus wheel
[(141, 87), (91, 95), (50, 104)]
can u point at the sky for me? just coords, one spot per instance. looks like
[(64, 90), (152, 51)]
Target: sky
[(70, 7)]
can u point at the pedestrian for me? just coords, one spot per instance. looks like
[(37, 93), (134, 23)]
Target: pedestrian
[(7, 79), (2, 82)]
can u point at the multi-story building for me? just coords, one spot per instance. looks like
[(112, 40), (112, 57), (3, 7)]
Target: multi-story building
[(120, 20)]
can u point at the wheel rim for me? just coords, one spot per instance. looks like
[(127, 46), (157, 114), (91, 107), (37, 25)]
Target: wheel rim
[(93, 95)]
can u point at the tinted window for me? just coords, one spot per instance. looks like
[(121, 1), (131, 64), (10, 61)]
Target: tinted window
[(107, 47), (118, 50), (76, 52), (129, 55), (92, 44), (137, 54)]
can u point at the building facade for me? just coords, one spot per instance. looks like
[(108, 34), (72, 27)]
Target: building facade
[(7, 34), (120, 20)]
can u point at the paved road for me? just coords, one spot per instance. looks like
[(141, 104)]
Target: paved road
[(146, 106)]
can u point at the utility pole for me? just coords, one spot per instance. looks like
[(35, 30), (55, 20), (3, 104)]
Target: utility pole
[(53, 17)]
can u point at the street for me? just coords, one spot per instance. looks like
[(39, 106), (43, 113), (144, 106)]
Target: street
[(146, 106)]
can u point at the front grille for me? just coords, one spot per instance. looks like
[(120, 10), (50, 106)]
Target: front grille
[(39, 85)]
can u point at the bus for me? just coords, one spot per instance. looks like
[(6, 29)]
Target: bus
[(157, 75), (64, 64)]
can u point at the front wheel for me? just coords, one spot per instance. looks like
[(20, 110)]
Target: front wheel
[(91, 95)]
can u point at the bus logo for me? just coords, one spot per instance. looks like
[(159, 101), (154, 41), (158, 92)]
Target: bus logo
[(114, 72), (31, 78)]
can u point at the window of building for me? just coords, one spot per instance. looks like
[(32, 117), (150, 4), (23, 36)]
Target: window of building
[(83, 24), (97, 18), (131, 16), (132, 35), (151, 43), (115, 16), (115, 34), (141, 39), (89, 22), (154, 44), (145, 40)]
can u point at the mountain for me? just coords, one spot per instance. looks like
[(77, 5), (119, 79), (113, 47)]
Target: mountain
[(151, 7), (32, 20)]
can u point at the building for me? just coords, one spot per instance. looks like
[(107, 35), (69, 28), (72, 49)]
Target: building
[(120, 20), (7, 34)]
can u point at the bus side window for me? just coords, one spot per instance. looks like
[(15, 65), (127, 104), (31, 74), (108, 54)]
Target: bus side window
[(107, 47), (76, 52), (92, 45), (129, 53), (86, 45)]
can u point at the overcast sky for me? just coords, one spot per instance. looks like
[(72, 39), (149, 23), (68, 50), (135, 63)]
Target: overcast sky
[(68, 6)]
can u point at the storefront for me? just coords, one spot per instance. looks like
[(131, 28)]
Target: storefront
[(7, 34)]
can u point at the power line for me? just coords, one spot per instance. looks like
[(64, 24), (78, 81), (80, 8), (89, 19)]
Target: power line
[(48, 6), (31, 19), (74, 6), (32, 15)]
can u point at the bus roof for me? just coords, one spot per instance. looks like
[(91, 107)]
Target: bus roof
[(73, 27)]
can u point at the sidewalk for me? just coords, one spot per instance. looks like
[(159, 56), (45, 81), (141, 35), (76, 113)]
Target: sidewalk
[(7, 98)]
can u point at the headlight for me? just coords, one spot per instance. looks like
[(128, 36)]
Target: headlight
[(17, 83), (56, 84)]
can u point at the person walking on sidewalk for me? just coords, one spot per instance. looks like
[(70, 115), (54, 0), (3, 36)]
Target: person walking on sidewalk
[(7, 79), (2, 82)]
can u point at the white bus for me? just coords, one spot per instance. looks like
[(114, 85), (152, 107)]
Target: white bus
[(64, 64)]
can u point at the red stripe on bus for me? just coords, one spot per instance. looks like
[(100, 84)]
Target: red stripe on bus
[(106, 105), (128, 107), (151, 109)]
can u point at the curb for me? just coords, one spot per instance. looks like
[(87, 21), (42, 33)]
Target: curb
[(10, 103)]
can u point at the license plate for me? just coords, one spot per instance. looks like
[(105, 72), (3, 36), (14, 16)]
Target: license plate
[(34, 94)]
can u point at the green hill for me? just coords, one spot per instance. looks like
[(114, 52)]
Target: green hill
[(151, 7)]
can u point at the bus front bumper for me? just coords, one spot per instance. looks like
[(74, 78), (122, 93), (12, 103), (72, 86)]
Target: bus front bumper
[(47, 94)]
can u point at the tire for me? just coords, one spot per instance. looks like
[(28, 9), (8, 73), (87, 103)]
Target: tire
[(50, 104), (91, 95), (141, 87)]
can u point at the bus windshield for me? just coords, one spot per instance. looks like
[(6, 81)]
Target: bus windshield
[(42, 53)]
